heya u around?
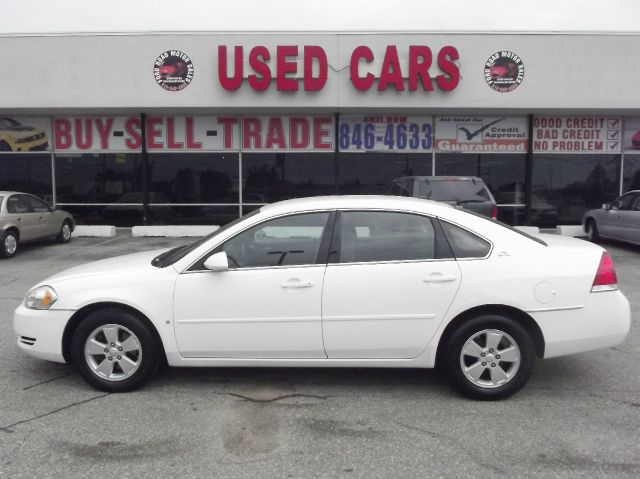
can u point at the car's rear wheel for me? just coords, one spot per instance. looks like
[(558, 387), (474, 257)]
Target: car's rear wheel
[(8, 244), (592, 231), (65, 232), (114, 350), (490, 357)]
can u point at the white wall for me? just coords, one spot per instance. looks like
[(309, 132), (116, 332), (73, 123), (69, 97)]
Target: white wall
[(106, 72)]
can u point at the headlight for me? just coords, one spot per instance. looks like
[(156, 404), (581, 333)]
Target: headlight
[(40, 298)]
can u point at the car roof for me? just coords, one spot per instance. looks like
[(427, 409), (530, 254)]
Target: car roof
[(5, 193), (354, 202)]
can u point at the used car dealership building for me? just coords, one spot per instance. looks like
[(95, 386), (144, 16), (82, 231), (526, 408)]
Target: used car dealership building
[(175, 128)]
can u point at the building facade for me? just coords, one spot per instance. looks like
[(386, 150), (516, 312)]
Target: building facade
[(201, 128)]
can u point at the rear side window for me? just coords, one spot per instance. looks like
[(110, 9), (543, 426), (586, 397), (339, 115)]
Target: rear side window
[(464, 191), (17, 205), (374, 236), (464, 243), (37, 204)]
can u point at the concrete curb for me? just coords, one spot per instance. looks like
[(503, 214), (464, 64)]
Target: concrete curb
[(97, 231), (173, 231), (532, 230), (571, 230)]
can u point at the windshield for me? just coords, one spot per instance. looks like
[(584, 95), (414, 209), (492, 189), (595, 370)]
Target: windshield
[(8, 123), (169, 257), (464, 191)]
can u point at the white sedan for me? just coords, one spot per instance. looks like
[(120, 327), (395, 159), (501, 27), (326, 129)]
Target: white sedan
[(338, 282)]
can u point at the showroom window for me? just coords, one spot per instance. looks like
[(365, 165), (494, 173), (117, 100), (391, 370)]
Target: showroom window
[(631, 173), (103, 188), (567, 185), (271, 177), (27, 173), (504, 175), (193, 188), (373, 173)]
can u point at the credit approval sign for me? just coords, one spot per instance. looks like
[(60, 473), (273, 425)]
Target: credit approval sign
[(488, 134)]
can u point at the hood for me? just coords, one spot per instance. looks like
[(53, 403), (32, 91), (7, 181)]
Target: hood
[(135, 262)]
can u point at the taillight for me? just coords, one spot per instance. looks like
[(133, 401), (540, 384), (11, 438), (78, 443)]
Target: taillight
[(494, 211), (606, 279)]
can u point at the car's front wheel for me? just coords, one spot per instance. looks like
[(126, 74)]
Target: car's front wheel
[(65, 232), (592, 231), (8, 244), (490, 357), (114, 350)]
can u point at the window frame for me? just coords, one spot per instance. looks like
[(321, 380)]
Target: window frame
[(440, 239), (321, 257)]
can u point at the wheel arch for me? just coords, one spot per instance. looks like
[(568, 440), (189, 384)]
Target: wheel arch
[(82, 313), (524, 319), (13, 228)]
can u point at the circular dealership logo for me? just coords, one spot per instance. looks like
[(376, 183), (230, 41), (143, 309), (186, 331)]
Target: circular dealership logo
[(504, 71), (173, 70)]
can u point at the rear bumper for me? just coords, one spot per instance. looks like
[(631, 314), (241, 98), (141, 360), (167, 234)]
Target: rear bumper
[(39, 333), (604, 321)]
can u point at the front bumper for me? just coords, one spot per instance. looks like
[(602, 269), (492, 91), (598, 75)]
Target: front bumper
[(603, 322), (39, 333)]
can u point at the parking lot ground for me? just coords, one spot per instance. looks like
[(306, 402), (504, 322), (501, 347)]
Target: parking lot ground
[(579, 416)]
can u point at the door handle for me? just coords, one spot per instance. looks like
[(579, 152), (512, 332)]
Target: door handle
[(296, 284), (438, 278)]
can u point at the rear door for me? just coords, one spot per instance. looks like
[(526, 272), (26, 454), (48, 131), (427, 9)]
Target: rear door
[(47, 224), (388, 285), (19, 213)]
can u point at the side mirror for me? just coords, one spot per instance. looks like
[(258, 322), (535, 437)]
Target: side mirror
[(605, 206), (217, 262)]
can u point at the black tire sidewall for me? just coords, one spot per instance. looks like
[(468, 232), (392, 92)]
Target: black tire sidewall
[(60, 237), (150, 349), (3, 251), (475, 325), (593, 228)]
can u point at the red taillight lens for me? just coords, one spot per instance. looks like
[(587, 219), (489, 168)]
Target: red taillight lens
[(606, 278), (494, 211)]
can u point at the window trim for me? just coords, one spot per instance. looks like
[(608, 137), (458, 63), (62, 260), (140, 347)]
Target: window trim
[(334, 251), (321, 258)]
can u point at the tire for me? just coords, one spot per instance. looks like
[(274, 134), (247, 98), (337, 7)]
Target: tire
[(64, 236), (8, 244), (135, 353), (592, 231), (4, 146), (486, 374)]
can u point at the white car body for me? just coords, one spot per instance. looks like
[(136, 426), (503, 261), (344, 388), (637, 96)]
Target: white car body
[(381, 314)]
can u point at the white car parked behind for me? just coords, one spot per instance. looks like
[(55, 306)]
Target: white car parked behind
[(335, 281)]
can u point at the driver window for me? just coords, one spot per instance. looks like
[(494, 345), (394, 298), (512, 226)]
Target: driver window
[(624, 202), (286, 241)]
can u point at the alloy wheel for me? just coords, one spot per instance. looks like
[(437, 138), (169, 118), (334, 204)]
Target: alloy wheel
[(490, 358), (113, 352)]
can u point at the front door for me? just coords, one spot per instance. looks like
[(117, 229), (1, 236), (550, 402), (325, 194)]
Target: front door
[(267, 305), (389, 287)]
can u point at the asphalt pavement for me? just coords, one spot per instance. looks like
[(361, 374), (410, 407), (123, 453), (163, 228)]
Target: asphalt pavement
[(579, 416)]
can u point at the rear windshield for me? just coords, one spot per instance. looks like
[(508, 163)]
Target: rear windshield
[(462, 191)]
